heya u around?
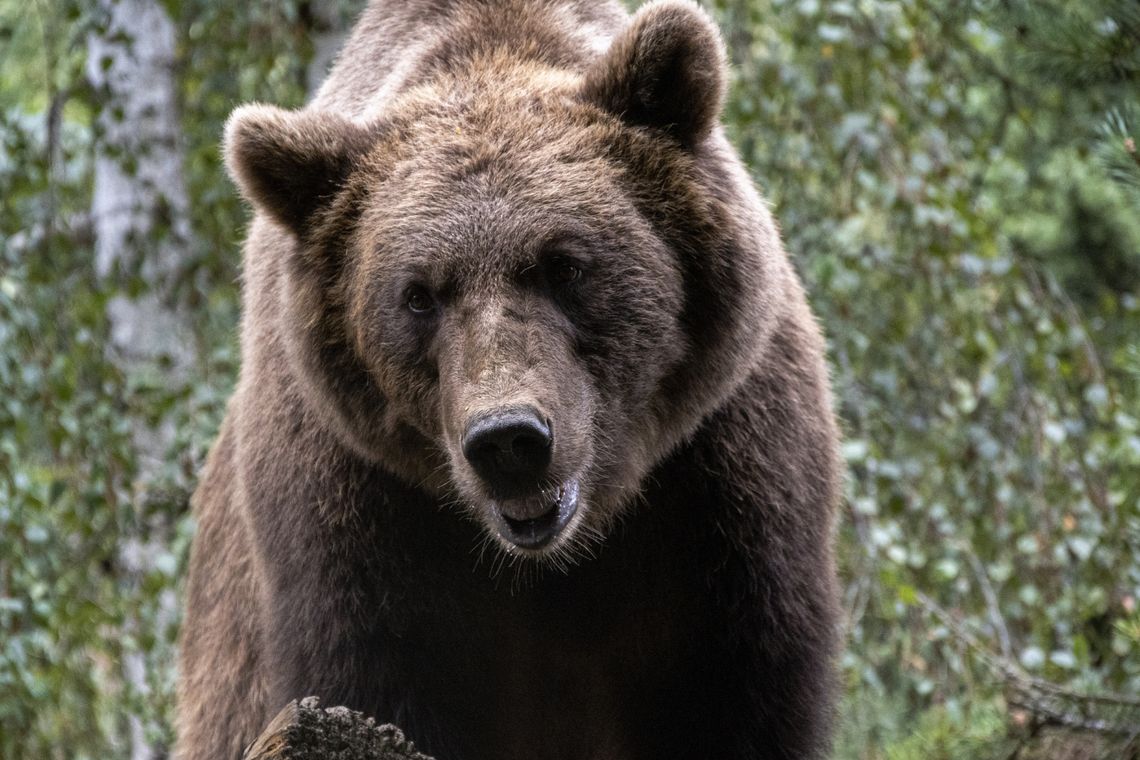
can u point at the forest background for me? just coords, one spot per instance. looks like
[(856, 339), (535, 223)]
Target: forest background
[(958, 183)]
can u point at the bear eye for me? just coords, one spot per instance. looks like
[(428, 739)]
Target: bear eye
[(566, 272), (419, 300)]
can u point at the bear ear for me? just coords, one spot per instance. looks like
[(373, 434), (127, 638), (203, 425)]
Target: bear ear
[(666, 70), (290, 163)]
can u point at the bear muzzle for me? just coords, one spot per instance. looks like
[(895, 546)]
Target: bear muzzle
[(510, 449), (533, 523)]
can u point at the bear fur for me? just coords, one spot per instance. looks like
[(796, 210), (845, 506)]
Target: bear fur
[(503, 202)]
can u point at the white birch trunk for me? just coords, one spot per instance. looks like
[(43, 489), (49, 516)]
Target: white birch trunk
[(140, 219), (140, 206)]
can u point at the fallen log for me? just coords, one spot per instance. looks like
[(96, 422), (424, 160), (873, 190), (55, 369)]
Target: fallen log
[(306, 731)]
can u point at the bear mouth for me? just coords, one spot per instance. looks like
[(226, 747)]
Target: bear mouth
[(534, 522)]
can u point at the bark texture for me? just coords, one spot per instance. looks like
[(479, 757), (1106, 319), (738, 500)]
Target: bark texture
[(305, 731), (140, 221), (140, 207)]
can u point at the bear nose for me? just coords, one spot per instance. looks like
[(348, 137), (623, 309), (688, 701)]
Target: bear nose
[(509, 448)]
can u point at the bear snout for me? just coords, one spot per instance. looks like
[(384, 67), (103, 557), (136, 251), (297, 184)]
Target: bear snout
[(511, 451), (509, 448)]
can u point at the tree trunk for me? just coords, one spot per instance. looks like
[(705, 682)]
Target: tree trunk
[(306, 732), (140, 220), (140, 204)]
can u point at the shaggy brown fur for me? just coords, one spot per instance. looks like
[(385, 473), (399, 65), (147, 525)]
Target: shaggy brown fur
[(505, 204)]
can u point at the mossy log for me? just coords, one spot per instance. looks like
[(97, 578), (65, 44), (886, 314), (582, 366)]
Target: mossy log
[(306, 731)]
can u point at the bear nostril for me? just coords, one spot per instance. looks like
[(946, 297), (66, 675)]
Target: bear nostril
[(530, 450), (509, 448)]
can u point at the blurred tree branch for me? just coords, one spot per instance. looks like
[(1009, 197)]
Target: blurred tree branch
[(1048, 703)]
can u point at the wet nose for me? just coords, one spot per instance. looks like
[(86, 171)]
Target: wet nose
[(509, 448)]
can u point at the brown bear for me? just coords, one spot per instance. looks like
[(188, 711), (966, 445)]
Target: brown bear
[(532, 452)]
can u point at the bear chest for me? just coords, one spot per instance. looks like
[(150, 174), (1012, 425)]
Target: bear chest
[(605, 661)]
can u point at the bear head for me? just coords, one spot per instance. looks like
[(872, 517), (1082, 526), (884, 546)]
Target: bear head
[(520, 287)]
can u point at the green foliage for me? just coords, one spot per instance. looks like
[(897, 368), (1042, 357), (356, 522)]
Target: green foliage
[(1119, 152), (939, 736), (975, 268), (73, 512), (955, 184)]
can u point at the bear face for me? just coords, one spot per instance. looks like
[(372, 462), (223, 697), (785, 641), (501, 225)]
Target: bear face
[(500, 288), (521, 289)]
